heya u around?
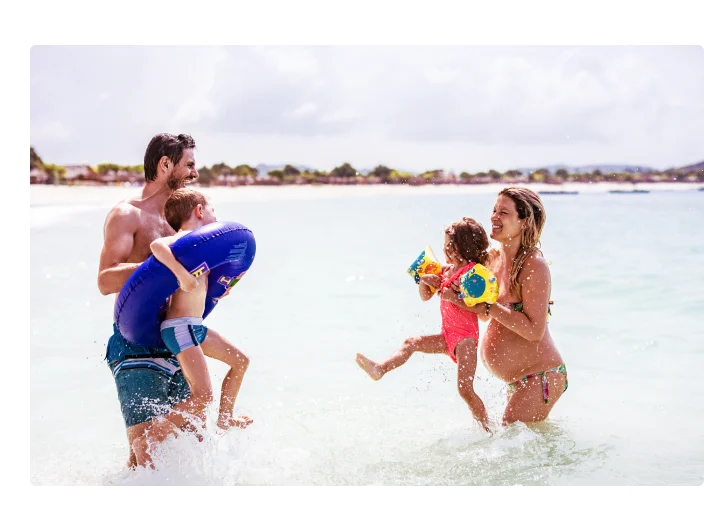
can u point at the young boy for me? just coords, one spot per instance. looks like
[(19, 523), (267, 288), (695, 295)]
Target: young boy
[(185, 336)]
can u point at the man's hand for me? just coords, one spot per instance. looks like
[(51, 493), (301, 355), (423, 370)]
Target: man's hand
[(227, 292)]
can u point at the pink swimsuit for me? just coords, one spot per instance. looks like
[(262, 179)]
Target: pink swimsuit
[(457, 323)]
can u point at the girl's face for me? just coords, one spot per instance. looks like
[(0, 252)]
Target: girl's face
[(505, 224), (452, 255)]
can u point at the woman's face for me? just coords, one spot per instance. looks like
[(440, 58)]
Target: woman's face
[(505, 224)]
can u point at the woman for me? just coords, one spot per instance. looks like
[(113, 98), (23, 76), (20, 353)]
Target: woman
[(517, 347)]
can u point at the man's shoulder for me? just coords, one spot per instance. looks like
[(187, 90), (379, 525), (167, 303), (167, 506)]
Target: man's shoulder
[(124, 212)]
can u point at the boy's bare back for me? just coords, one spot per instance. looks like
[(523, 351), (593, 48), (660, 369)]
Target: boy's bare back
[(189, 303)]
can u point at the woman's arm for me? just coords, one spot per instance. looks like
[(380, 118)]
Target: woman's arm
[(493, 257), (535, 284), (530, 324)]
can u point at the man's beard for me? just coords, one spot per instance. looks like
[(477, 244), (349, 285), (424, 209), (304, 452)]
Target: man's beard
[(175, 182)]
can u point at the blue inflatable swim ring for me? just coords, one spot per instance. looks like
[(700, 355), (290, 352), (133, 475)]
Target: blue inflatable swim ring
[(226, 249)]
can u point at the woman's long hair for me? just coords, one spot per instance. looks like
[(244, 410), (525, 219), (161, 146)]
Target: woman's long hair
[(531, 209)]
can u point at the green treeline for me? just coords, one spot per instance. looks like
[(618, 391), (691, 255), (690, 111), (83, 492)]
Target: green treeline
[(223, 174)]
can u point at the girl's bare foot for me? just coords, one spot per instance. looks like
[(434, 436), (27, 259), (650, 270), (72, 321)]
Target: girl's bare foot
[(234, 421), (370, 367)]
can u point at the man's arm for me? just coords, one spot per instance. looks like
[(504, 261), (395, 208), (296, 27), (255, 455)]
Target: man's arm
[(120, 228), (162, 252)]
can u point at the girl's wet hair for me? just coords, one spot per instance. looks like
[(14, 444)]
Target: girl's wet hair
[(531, 209), (180, 205), (470, 239)]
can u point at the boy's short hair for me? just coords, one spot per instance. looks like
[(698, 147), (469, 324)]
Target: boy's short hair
[(180, 205)]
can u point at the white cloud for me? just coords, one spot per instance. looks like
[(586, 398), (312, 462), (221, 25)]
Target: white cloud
[(305, 110), (341, 115), (50, 131), (420, 106), (442, 76)]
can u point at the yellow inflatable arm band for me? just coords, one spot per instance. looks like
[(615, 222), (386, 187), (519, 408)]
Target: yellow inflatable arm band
[(479, 285), (425, 264)]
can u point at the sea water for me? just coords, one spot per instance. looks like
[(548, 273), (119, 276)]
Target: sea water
[(328, 281)]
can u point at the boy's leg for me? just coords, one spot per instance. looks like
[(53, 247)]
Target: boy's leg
[(217, 347), (434, 344), (182, 337), (195, 370)]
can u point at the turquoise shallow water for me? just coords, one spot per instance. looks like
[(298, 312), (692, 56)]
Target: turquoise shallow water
[(329, 280)]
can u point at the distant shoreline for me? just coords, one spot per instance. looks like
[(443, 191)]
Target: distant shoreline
[(107, 195)]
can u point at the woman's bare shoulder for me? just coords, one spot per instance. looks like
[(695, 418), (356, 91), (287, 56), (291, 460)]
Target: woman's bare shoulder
[(535, 264)]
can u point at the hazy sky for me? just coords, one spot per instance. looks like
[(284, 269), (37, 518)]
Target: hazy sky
[(415, 108)]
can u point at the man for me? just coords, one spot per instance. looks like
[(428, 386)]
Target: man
[(149, 380)]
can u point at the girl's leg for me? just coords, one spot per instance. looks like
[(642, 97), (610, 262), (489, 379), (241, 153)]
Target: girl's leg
[(217, 347), (466, 353), (434, 344)]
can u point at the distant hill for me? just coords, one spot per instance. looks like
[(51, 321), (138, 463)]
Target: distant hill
[(691, 168), (604, 168), (263, 168)]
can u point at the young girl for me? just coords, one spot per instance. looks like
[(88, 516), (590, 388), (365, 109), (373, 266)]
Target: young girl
[(466, 243)]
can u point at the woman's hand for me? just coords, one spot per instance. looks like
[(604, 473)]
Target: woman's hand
[(479, 308), (434, 281)]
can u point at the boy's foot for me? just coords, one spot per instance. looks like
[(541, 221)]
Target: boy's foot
[(369, 366), (234, 421)]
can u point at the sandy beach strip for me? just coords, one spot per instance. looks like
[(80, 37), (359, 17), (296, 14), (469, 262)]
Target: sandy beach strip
[(88, 197)]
